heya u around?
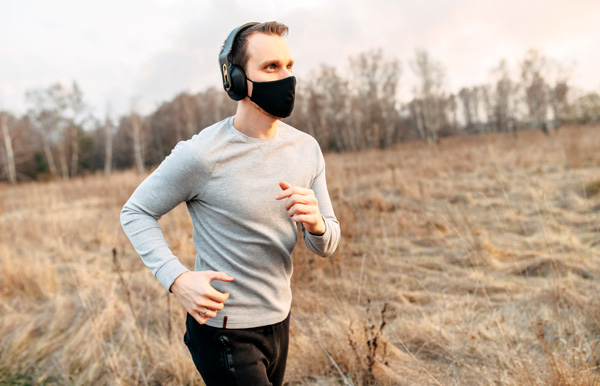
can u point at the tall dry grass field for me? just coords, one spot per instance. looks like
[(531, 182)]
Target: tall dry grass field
[(475, 262)]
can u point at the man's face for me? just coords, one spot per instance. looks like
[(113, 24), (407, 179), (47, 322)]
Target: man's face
[(269, 58)]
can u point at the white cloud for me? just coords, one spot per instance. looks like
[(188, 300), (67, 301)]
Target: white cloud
[(153, 50)]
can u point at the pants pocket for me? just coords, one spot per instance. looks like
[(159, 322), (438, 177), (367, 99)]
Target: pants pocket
[(186, 335), (227, 358), (186, 338)]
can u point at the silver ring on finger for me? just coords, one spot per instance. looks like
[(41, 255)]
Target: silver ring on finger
[(203, 313)]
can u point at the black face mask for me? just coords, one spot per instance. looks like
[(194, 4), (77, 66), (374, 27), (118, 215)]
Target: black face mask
[(275, 97)]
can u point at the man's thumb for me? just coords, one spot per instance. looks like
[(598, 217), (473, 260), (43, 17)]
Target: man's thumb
[(284, 185)]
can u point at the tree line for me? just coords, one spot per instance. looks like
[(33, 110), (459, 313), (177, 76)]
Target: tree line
[(59, 137)]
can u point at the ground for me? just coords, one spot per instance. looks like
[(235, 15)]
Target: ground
[(470, 262)]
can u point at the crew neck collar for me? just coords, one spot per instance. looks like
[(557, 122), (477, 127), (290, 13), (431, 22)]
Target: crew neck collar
[(247, 137)]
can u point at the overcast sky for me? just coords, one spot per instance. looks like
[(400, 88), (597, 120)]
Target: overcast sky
[(150, 50)]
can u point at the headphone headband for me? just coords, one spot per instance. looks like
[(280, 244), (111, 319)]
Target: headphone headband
[(226, 66)]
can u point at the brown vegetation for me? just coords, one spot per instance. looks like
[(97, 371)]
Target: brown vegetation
[(471, 262), (344, 110)]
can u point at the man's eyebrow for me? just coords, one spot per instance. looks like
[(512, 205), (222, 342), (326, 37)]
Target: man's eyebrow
[(275, 61)]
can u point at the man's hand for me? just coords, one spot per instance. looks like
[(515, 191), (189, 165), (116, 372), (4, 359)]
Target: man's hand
[(199, 298), (303, 207)]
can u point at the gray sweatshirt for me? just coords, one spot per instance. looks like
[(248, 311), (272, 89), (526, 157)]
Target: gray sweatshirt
[(229, 182)]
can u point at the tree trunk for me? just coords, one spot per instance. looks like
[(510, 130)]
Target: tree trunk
[(416, 113), (62, 157), (10, 157), (108, 151), (557, 122), (428, 123), (74, 150), (190, 124), (49, 156), (137, 144)]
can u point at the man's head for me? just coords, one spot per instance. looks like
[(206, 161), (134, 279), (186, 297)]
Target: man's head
[(239, 49), (256, 62)]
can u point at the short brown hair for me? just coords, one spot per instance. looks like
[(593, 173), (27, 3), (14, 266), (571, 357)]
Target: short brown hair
[(239, 55)]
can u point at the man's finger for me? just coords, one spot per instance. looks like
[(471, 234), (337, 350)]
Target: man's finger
[(298, 199), (300, 209), (284, 185), (213, 305), (300, 218), (292, 190), (205, 312), (199, 318), (217, 296), (286, 190), (222, 276)]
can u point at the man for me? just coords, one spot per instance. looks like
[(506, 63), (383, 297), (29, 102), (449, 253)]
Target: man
[(247, 182)]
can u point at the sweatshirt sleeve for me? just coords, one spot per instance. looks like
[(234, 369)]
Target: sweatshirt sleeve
[(323, 245), (172, 183)]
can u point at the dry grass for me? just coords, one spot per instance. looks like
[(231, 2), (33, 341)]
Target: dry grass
[(485, 251)]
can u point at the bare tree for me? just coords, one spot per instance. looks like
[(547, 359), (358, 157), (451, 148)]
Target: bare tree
[(558, 89), (76, 111), (108, 138), (138, 147), (214, 105), (535, 87), (355, 112), (374, 82), (8, 149), (476, 104), (415, 108), (59, 114), (45, 111), (164, 131), (309, 111), (586, 108), (431, 77), (453, 104), (137, 129), (465, 97), (485, 92), (327, 111), (558, 100), (185, 109), (504, 100)]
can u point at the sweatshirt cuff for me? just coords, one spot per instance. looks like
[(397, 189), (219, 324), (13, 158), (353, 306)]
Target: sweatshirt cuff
[(170, 271), (319, 240)]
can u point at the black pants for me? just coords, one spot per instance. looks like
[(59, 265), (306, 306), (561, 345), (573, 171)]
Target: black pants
[(249, 356)]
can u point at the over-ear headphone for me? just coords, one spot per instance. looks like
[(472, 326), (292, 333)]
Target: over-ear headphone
[(233, 76)]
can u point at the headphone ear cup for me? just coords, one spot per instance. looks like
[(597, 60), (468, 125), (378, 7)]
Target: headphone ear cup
[(238, 89)]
